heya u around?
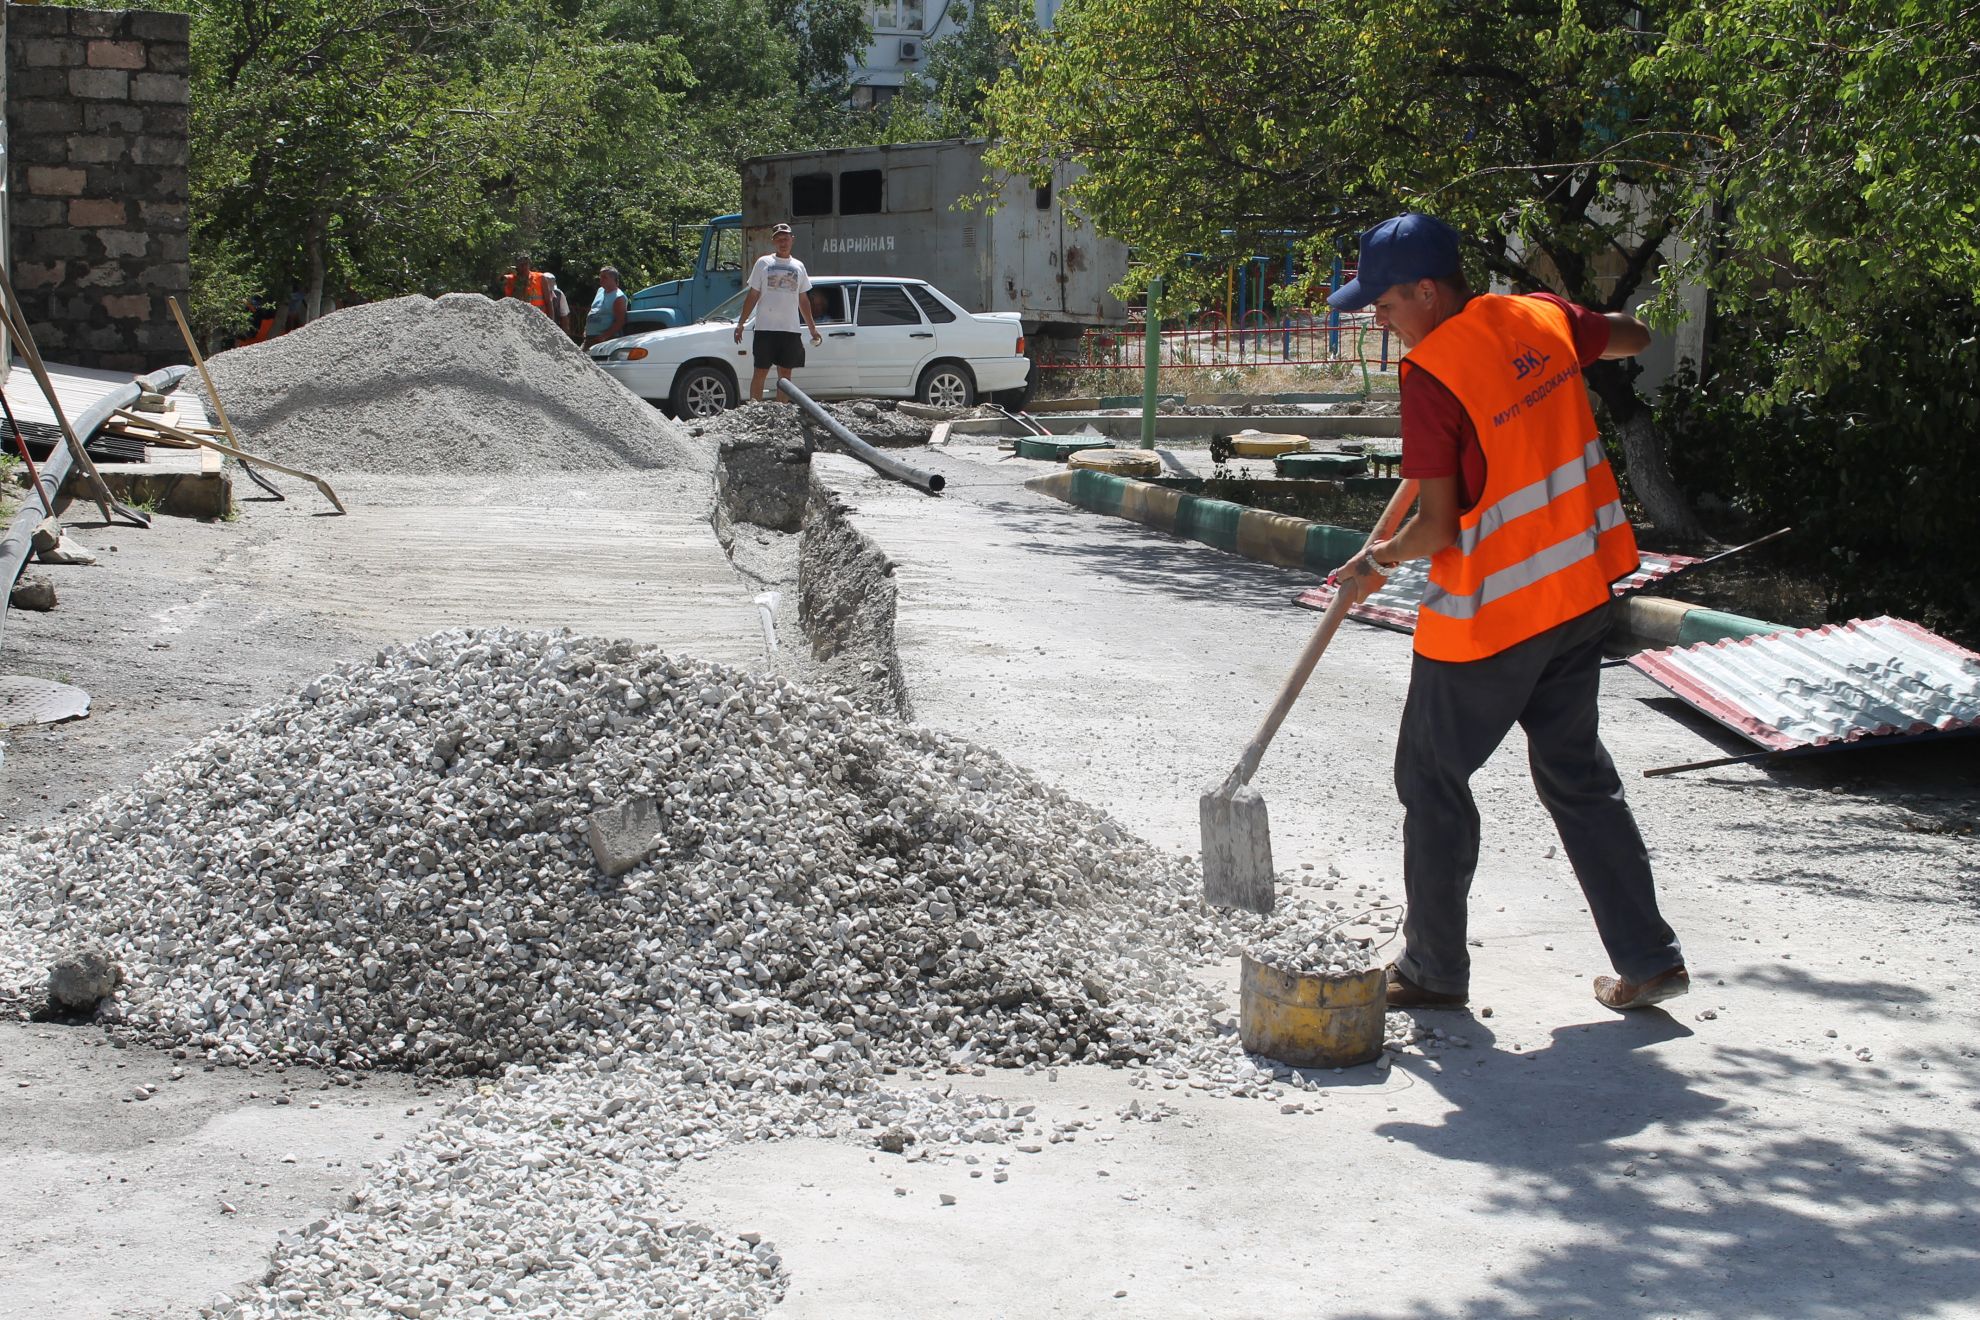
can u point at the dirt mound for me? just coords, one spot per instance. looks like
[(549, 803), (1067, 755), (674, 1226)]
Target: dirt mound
[(454, 384)]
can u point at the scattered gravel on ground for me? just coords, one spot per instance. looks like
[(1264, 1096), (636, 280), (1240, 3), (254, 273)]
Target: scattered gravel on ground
[(391, 868), (1315, 952), (455, 384), (878, 422)]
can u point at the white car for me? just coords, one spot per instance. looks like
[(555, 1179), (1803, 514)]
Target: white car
[(886, 338)]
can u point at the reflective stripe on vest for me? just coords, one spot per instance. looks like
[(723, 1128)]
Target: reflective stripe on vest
[(1528, 571), (1528, 499), (535, 298), (1548, 534)]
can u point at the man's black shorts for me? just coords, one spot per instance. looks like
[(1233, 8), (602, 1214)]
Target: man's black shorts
[(779, 348)]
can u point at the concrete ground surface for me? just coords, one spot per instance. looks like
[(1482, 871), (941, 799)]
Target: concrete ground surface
[(117, 1206), (1797, 1138)]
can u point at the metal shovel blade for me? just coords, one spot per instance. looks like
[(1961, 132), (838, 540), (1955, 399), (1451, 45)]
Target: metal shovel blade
[(1237, 849)]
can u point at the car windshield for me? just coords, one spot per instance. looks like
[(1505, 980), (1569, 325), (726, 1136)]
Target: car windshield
[(726, 313)]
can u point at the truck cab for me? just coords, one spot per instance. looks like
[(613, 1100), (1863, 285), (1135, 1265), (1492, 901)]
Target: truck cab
[(718, 276)]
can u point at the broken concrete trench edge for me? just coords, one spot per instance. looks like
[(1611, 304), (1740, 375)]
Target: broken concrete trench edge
[(846, 594)]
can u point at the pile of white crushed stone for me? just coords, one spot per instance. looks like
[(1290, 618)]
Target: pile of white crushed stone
[(446, 385), (391, 868)]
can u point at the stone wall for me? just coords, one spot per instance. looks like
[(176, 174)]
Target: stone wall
[(96, 130)]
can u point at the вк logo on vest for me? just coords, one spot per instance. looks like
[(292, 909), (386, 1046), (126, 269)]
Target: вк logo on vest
[(1529, 361)]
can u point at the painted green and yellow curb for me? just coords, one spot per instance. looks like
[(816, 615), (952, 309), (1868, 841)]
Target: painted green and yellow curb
[(1272, 538)]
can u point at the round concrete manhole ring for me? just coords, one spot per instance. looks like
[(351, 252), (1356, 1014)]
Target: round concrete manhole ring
[(26, 700), (1117, 462)]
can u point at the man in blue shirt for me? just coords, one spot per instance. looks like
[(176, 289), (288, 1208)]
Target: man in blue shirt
[(607, 317)]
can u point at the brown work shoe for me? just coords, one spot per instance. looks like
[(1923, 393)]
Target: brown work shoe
[(1405, 993), (1614, 992)]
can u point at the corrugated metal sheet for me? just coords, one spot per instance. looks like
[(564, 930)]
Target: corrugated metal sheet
[(1868, 678), (1394, 606)]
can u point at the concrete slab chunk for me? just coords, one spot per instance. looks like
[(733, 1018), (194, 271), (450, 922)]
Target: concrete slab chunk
[(64, 551), (623, 836), (82, 979)]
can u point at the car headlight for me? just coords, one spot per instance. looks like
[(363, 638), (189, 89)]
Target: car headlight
[(628, 354)]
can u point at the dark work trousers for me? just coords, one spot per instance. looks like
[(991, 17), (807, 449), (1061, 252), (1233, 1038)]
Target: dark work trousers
[(1455, 717)]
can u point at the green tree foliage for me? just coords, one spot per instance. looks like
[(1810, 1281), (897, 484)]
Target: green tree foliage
[(1843, 171), (1835, 220), (1876, 473), (395, 146), (945, 100), (1211, 127), (753, 76)]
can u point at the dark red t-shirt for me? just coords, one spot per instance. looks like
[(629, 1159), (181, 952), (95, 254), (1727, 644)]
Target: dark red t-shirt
[(1438, 439)]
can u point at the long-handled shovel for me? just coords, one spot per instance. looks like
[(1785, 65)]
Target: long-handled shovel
[(180, 436), (1237, 836)]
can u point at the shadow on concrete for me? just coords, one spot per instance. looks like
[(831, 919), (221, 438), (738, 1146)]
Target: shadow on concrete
[(1141, 559), (1125, 553), (1891, 998), (1696, 721), (1858, 849), (1673, 1199)]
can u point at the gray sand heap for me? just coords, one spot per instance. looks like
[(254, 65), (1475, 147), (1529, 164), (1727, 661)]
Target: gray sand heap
[(454, 384), (395, 867), (392, 868)]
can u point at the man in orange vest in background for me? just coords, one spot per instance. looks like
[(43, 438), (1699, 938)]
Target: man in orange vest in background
[(538, 288), (1521, 519)]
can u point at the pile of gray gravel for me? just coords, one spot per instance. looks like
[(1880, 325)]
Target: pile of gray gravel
[(392, 868), (396, 866), (454, 384)]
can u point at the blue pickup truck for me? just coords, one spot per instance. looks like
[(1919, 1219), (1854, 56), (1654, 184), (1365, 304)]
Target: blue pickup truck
[(718, 275)]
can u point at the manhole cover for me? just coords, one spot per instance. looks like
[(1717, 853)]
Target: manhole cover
[(38, 701)]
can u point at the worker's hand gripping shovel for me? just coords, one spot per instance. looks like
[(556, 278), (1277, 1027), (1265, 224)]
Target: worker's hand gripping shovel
[(1237, 836)]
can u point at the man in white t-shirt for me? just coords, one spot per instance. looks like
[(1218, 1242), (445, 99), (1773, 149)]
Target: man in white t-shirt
[(777, 285)]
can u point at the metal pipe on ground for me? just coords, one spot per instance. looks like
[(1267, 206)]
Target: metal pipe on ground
[(884, 464)]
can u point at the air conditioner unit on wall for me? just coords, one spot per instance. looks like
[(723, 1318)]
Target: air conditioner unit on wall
[(910, 48)]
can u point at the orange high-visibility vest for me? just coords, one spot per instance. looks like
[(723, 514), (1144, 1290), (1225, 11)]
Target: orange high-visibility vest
[(1548, 534), (535, 296)]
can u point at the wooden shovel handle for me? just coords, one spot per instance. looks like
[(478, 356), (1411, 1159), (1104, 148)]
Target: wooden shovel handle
[(1330, 623), (1254, 751)]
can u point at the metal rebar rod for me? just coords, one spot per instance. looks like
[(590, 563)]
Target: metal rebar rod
[(884, 464)]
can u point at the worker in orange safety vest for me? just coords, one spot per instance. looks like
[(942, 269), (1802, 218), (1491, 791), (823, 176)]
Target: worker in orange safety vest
[(538, 288), (1521, 519)]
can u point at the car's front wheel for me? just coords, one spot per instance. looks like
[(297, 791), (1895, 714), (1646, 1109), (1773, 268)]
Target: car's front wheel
[(947, 385), (703, 391)]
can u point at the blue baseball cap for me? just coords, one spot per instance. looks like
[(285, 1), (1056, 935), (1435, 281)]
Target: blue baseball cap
[(1408, 248)]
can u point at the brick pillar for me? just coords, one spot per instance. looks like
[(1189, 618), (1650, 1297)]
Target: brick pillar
[(97, 136)]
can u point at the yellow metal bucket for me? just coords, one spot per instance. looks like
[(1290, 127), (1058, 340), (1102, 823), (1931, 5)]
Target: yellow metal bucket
[(1311, 1021)]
